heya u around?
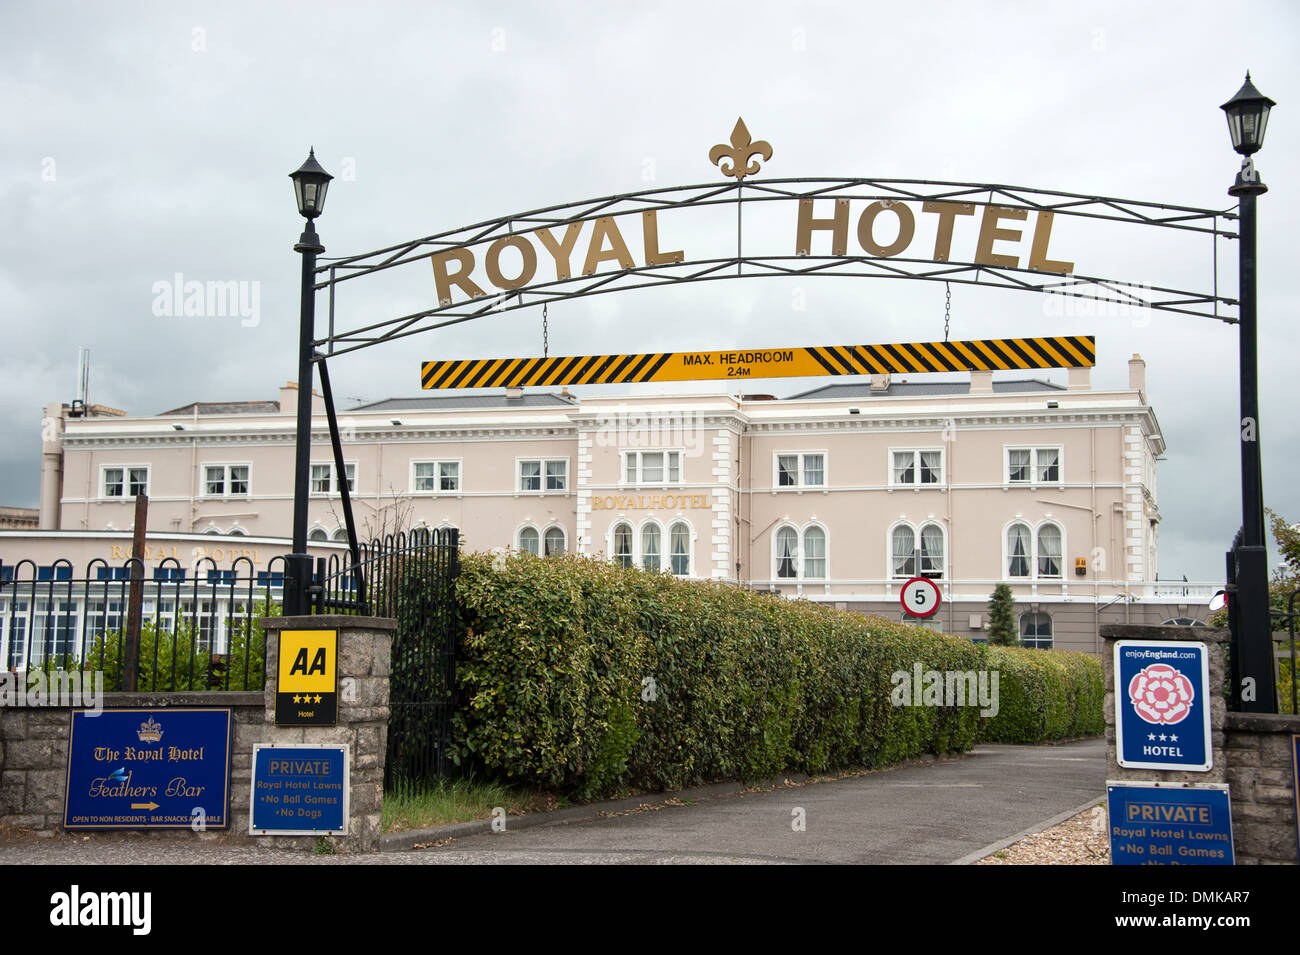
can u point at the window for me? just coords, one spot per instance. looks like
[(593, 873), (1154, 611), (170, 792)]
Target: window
[(318, 534), (125, 481), (1034, 465), (323, 479), (340, 534), (814, 553), (800, 558), (554, 539), (652, 467), (801, 470), (623, 545), (650, 547), (221, 480), (680, 541), (1028, 552), (903, 546), (544, 475), (1036, 631), (529, 540), (916, 467), (435, 477)]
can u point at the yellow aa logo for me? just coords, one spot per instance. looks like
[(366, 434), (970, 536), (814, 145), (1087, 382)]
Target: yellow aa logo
[(308, 661)]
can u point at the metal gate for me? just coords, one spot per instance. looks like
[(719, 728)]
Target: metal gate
[(411, 578)]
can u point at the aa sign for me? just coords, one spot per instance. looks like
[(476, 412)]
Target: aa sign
[(306, 691)]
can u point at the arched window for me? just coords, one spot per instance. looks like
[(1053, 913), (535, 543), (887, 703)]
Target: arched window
[(529, 540), (650, 547), (1036, 630), (554, 541), (623, 545), (787, 545), (236, 532), (1049, 551), (341, 534), (679, 542), (903, 548), (814, 552), (318, 534), (1019, 550), (932, 551)]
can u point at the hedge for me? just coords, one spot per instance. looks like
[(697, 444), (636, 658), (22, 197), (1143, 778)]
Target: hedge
[(1045, 695), (578, 675)]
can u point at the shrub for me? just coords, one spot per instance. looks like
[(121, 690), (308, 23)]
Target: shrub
[(580, 675), (1045, 694)]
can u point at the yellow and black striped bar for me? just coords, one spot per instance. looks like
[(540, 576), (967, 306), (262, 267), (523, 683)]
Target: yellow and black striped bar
[(989, 354)]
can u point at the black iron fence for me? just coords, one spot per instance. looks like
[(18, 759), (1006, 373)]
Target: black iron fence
[(163, 627), (412, 579)]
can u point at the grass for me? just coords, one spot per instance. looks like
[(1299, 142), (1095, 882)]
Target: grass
[(462, 800)]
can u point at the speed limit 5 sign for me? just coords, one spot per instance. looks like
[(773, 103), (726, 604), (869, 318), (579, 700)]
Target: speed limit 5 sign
[(920, 597)]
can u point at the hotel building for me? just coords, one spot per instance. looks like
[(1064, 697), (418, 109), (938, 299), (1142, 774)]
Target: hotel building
[(839, 494)]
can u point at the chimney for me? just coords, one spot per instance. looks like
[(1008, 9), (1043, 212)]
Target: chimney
[(514, 391), (289, 398), (1080, 379), (50, 513), (1137, 373), (981, 382), (880, 382)]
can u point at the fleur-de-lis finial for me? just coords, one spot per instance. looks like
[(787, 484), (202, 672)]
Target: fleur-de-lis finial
[(740, 151)]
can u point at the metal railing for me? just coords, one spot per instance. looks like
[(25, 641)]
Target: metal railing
[(154, 628)]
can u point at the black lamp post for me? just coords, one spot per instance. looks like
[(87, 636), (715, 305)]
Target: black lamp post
[(1252, 638), (310, 183)]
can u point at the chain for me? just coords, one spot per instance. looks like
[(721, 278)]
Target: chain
[(947, 309), (545, 332)]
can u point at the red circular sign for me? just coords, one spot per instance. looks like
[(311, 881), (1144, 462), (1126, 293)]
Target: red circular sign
[(920, 597)]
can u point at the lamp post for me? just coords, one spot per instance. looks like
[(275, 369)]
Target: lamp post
[(1252, 649), (310, 183)]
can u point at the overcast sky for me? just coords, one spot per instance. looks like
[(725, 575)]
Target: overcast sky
[(146, 140)]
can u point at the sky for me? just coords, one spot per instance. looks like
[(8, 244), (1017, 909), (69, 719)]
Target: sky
[(146, 141)]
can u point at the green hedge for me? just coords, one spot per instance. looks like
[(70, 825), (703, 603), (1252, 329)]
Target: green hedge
[(558, 653), (1045, 695)]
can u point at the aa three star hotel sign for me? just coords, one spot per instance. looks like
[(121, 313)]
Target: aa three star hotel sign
[(1162, 705)]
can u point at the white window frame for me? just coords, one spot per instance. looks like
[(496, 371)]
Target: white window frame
[(1035, 550), (1033, 450), (919, 569), (1020, 629), (690, 546), (541, 463), (916, 467), (126, 470), (800, 485), (519, 536), (800, 553), (226, 493), (541, 540), (437, 476), (640, 481), (335, 487)]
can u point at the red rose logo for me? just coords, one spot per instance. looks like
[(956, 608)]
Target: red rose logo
[(1161, 694)]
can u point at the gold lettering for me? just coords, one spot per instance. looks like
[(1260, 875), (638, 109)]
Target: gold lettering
[(493, 263), (597, 503), (990, 233), (218, 554), (867, 222), (654, 502), (116, 553), (838, 227), (607, 229), (444, 280), (561, 251), (1038, 259), (650, 233), (946, 211)]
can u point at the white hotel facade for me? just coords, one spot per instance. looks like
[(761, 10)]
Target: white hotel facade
[(837, 495)]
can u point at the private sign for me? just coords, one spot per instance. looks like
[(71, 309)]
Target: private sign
[(306, 692)]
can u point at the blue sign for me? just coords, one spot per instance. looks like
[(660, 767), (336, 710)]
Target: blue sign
[(148, 769), (299, 790), (1155, 825), (1162, 705)]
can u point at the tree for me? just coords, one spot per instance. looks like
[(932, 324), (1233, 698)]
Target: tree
[(1002, 617)]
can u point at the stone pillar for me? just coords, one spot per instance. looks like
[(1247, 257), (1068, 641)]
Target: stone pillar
[(365, 650), (1215, 641)]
